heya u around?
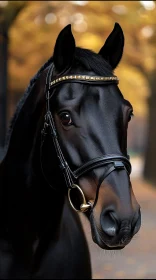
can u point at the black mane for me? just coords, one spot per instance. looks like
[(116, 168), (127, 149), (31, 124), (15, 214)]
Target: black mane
[(87, 58), (23, 99), (93, 62)]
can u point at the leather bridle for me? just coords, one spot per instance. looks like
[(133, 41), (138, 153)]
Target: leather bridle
[(117, 161)]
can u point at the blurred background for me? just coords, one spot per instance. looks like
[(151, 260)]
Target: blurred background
[(28, 31)]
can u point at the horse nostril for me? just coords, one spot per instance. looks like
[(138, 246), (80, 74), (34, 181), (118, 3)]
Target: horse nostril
[(137, 223), (109, 223)]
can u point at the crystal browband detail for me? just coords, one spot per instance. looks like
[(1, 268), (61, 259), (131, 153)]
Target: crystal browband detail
[(84, 78)]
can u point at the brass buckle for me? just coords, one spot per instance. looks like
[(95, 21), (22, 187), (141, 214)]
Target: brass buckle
[(84, 206)]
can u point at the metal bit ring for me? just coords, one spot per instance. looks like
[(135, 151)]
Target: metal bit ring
[(84, 206)]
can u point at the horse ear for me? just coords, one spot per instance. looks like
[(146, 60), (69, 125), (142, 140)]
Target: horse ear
[(64, 49), (112, 50)]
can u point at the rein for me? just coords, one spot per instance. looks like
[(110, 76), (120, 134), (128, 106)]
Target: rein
[(117, 162)]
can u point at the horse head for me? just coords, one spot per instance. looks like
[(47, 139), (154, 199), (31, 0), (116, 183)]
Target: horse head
[(87, 118)]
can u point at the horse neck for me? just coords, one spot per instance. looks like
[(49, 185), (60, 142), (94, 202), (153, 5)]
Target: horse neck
[(46, 180), (27, 204)]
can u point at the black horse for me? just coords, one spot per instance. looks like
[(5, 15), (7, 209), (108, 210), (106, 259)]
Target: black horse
[(67, 139)]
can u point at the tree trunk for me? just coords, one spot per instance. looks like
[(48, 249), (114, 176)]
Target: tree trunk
[(150, 153), (3, 84)]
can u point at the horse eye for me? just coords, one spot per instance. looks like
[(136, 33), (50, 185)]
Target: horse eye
[(130, 116), (65, 118)]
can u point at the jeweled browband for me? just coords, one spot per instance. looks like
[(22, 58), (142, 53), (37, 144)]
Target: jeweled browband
[(84, 78)]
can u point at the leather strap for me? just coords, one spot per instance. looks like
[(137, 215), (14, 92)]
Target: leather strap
[(98, 162)]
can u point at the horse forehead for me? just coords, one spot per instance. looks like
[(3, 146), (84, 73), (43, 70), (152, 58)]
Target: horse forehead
[(79, 94)]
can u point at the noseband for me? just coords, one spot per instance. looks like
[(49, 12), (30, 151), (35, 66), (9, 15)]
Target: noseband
[(117, 162)]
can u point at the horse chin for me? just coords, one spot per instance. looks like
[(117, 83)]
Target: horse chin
[(96, 236), (103, 245)]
